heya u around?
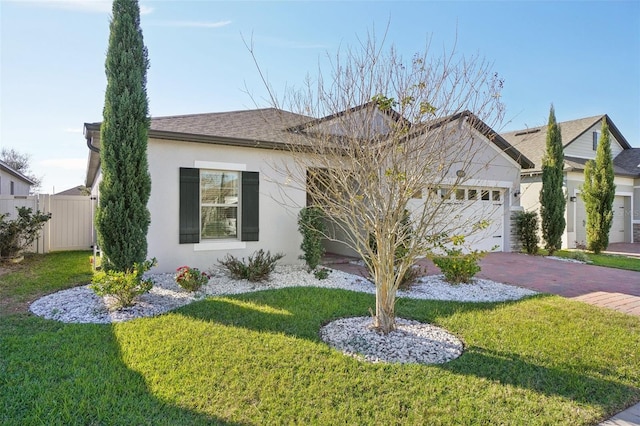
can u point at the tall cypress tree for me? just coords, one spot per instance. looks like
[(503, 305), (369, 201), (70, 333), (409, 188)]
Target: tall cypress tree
[(598, 193), (122, 218), (552, 200)]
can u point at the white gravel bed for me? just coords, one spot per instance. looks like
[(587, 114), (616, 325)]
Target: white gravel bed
[(565, 259), (412, 342)]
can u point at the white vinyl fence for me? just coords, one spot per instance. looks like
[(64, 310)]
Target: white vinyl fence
[(71, 223)]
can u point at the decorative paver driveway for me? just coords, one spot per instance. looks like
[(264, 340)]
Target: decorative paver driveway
[(608, 287)]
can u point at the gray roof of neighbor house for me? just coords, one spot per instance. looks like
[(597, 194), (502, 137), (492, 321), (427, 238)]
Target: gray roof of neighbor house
[(79, 190), (532, 142), (257, 128), (7, 168), (629, 160)]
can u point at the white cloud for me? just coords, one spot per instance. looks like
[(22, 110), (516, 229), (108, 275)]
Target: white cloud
[(191, 24), (65, 163)]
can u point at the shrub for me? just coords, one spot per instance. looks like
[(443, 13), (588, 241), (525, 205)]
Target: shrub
[(311, 226), (580, 256), (123, 286), (458, 267), (527, 230), (191, 279), (321, 273), (18, 234), (258, 267)]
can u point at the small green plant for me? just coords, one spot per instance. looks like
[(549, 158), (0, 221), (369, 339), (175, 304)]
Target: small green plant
[(18, 234), (311, 226), (579, 256), (257, 268), (124, 286), (321, 273), (527, 229), (458, 267), (191, 279)]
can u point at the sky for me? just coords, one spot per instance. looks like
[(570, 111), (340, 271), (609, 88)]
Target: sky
[(581, 56)]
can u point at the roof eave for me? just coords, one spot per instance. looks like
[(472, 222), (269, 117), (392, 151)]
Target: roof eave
[(16, 174)]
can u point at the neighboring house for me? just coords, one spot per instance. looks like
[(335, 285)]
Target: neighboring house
[(580, 139), (217, 185), (79, 191), (13, 182)]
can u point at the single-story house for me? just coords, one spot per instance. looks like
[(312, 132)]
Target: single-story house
[(12, 182), (215, 188), (580, 140)]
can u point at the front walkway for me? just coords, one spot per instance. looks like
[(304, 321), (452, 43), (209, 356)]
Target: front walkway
[(624, 249)]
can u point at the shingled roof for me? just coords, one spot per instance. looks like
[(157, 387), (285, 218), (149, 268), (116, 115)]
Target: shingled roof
[(628, 160), (255, 127), (7, 168), (258, 128), (532, 142)]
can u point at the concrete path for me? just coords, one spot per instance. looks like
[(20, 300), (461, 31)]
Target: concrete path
[(629, 417)]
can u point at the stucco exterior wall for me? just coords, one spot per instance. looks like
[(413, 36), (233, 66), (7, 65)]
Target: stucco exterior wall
[(279, 201)]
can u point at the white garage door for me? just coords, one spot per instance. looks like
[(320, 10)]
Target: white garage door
[(481, 204), (616, 233)]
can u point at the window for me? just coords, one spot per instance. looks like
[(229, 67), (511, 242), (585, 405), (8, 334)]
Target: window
[(495, 195), (11, 188), (445, 193), (218, 204), (472, 194), (460, 194), (595, 140), (484, 195)]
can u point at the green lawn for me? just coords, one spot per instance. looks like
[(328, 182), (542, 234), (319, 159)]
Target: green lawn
[(257, 359), (608, 260)]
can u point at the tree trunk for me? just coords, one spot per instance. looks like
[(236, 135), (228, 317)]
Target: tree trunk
[(385, 318)]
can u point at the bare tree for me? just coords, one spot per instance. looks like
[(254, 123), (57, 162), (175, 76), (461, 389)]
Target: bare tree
[(397, 136)]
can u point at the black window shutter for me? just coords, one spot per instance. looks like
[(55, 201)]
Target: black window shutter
[(189, 205), (250, 206)]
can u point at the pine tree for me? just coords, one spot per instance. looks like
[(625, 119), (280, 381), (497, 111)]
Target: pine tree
[(122, 218), (598, 193), (552, 199)]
